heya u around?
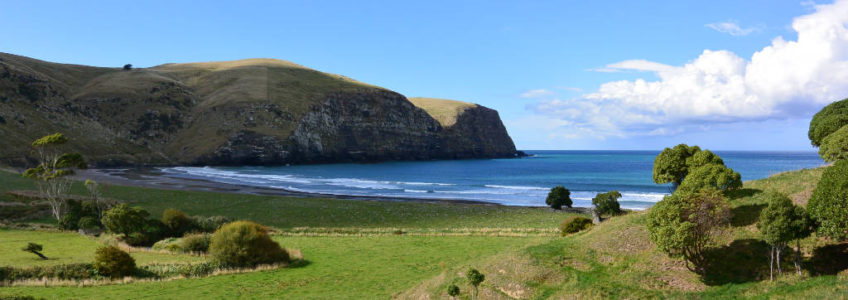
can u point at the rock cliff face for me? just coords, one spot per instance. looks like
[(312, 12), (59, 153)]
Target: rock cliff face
[(248, 112)]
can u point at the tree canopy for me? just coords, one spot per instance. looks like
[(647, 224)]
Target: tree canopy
[(559, 196), (829, 204), (683, 224), (670, 165), (711, 176), (828, 120), (607, 203), (835, 146)]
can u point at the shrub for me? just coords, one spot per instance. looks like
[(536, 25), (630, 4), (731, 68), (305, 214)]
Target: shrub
[(453, 290), (195, 242), (69, 221), (113, 262), (88, 223), (683, 224), (177, 222), (829, 201), (713, 176), (558, 197), (210, 224), (834, 147), (170, 244), (123, 219), (574, 224), (62, 272), (245, 244), (607, 203), (152, 231)]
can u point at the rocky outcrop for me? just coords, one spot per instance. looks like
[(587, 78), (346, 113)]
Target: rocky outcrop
[(250, 112)]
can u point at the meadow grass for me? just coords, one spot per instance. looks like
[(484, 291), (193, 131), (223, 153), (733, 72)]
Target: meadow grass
[(373, 267)]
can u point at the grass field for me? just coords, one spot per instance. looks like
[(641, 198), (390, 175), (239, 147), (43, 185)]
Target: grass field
[(353, 256)]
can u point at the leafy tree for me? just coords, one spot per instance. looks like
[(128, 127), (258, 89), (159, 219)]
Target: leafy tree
[(128, 67), (559, 196), (125, 220), (829, 204), (475, 278), (245, 244), (52, 171), (711, 176), (35, 249), (113, 262), (177, 222), (607, 203), (835, 146), (781, 222), (670, 165), (702, 158), (683, 224), (453, 290), (828, 120)]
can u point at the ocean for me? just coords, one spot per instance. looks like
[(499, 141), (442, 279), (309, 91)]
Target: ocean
[(520, 181)]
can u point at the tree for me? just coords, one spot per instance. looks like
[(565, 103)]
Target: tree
[(828, 120), (835, 146), (97, 196), (683, 224), (453, 290), (559, 196), (829, 204), (52, 171), (35, 249), (177, 222), (670, 165), (781, 222), (125, 220), (127, 67), (607, 203), (711, 176), (475, 278), (245, 244)]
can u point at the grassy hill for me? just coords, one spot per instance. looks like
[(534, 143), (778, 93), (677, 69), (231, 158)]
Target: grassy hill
[(252, 111), (354, 252), (444, 111)]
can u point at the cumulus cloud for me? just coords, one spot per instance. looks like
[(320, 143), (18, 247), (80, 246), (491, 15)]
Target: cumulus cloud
[(539, 93), (732, 28), (787, 79)]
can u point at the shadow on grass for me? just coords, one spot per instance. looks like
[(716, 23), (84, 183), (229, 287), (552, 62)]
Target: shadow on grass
[(828, 260), (741, 261), (746, 214), (742, 193), (300, 263)]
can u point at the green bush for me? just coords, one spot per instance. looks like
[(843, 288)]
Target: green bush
[(558, 197), (113, 262), (170, 244), (210, 224), (62, 272), (151, 232), (713, 176), (177, 222), (195, 242), (245, 244), (453, 290), (607, 203), (123, 219), (574, 224), (834, 147), (829, 202), (89, 223)]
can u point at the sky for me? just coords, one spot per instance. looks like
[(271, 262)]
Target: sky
[(582, 75)]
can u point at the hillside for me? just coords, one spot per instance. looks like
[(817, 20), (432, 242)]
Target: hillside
[(252, 111)]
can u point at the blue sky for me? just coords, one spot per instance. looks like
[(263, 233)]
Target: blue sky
[(562, 74)]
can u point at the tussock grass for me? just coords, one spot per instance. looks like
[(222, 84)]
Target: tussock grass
[(444, 111)]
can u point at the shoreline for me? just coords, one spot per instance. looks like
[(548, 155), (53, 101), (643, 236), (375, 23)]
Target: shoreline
[(153, 178)]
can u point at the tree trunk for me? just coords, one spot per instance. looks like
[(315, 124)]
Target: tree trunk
[(39, 255), (798, 256), (779, 270), (771, 263)]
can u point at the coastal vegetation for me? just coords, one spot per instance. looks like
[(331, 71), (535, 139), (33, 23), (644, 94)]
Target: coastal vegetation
[(559, 196)]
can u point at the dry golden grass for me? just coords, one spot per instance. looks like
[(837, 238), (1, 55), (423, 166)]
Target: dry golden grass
[(443, 110)]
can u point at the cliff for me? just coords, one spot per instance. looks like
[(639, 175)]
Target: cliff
[(246, 112)]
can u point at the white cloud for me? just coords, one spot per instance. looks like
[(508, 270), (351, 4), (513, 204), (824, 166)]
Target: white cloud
[(785, 80), (732, 28), (571, 89), (539, 93)]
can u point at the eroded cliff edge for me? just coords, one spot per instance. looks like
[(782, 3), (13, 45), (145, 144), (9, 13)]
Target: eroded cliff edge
[(246, 112)]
